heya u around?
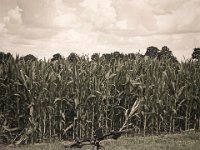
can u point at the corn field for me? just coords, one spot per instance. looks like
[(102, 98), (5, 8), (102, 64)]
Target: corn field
[(46, 99)]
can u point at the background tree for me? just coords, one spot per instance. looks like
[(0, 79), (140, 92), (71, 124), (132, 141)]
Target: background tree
[(196, 53), (165, 53), (73, 57), (56, 56), (117, 55), (152, 52), (106, 56), (28, 57), (95, 57), (5, 57)]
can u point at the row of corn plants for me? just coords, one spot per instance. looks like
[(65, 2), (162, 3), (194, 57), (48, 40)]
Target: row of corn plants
[(43, 100)]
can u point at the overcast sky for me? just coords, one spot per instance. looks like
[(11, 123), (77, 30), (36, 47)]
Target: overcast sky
[(46, 27)]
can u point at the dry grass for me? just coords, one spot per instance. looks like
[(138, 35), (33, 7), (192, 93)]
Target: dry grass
[(184, 141)]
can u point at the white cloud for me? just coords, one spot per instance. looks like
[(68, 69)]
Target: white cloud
[(122, 25), (99, 25), (166, 7), (2, 28), (38, 13), (14, 16), (65, 20), (71, 36), (178, 16), (11, 21), (100, 13), (137, 17)]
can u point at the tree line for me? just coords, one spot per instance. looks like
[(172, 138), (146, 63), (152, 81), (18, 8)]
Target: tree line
[(152, 52)]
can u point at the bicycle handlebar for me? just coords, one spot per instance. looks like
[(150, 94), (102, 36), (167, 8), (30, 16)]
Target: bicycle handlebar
[(95, 141)]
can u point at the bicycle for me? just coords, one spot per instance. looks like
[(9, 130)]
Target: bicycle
[(96, 140)]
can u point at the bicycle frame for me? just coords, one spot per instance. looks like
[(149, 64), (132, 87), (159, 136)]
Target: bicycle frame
[(96, 140)]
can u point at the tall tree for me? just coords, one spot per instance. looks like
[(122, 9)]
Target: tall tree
[(73, 57), (165, 53), (117, 55), (152, 52), (196, 53), (28, 57), (57, 56), (5, 57), (95, 57), (106, 56)]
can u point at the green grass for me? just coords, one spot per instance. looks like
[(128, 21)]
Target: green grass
[(184, 141)]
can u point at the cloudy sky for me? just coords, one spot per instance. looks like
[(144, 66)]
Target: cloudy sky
[(45, 27)]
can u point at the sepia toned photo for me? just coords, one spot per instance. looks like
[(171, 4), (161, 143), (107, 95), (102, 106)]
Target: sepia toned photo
[(99, 74)]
